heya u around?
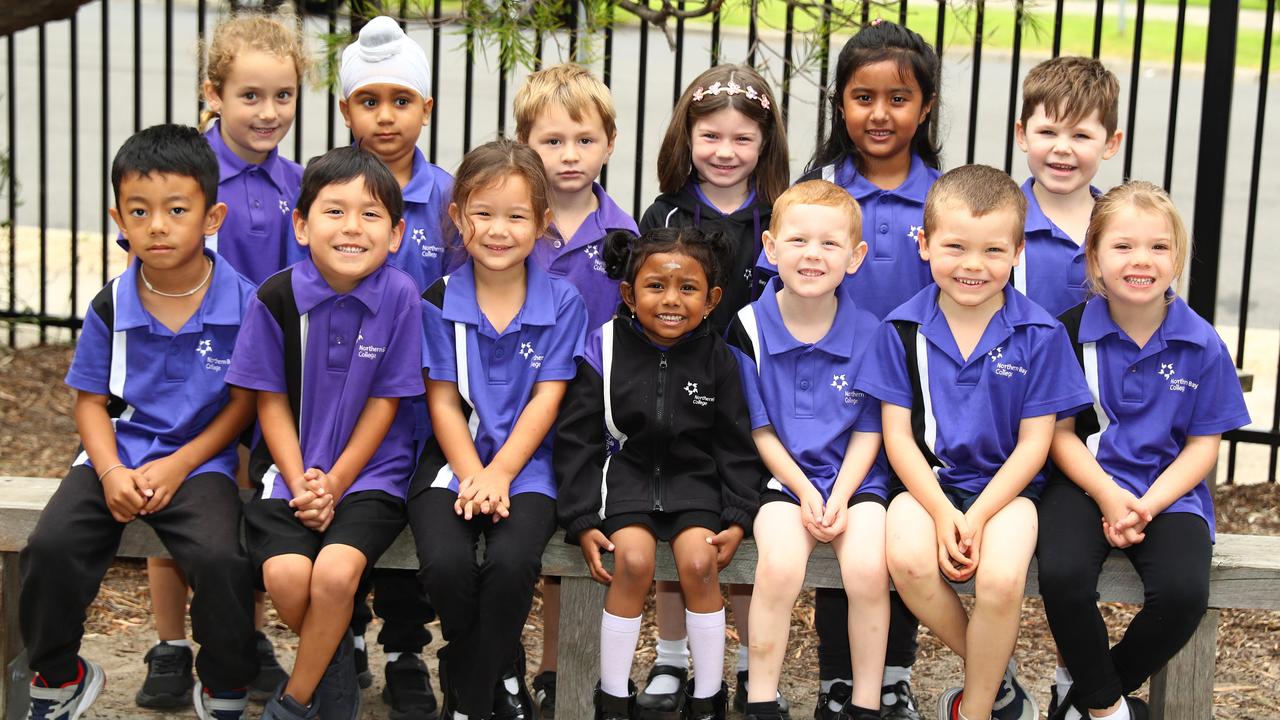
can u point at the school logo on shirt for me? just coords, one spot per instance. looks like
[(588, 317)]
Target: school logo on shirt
[(214, 364), (841, 384), (915, 233), (528, 353), (1003, 369), (419, 237), (1181, 385), (284, 206), (368, 352), (597, 262), (700, 400)]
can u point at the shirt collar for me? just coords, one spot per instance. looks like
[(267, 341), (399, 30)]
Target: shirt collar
[(539, 298), (923, 310), (920, 178), (231, 165), (221, 304), (604, 219), (310, 288), (1037, 221), (1180, 323), (421, 182), (837, 342)]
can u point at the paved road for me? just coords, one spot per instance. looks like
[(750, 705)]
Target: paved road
[(636, 140)]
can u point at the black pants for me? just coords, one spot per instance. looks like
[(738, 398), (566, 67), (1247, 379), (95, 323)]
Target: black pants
[(1173, 563), (482, 606), (831, 619), (75, 541), (399, 600)]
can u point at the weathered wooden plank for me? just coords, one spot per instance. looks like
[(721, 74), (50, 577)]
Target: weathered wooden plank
[(1183, 690), (581, 601), (13, 670)]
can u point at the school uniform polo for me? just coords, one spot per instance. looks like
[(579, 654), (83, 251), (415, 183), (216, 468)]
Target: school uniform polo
[(1052, 270), (580, 259), (164, 387), (331, 353), (1147, 401), (966, 412), (496, 371), (257, 236), (806, 391), (430, 247)]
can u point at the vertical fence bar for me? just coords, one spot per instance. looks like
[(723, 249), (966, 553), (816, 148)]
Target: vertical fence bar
[(13, 185), (74, 117), (573, 30), (200, 52), (299, 8), (980, 7), (902, 13), (677, 86), (435, 77), (638, 191), (104, 173), (1211, 165), (1057, 28), (537, 52), (824, 83), (468, 84), (137, 65), (939, 42), (1018, 17), (606, 77), (1097, 30), (42, 105), (1134, 76), (1175, 86), (715, 37), (753, 33), (168, 60), (866, 11), (502, 85), (786, 63)]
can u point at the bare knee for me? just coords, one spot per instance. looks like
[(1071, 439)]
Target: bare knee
[(698, 574), (334, 583), (633, 566), (999, 589), (777, 575), (286, 578)]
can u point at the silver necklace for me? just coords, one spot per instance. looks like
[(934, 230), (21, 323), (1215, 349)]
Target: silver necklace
[(187, 293)]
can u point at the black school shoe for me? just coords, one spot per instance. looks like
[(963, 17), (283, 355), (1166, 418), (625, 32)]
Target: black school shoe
[(610, 707), (408, 689), (169, 680), (710, 708), (270, 674), (364, 676), (338, 695), (544, 694), (1138, 709), (903, 706), (740, 698), (839, 694), (517, 705), (666, 706)]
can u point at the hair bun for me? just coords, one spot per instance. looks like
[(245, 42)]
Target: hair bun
[(617, 253)]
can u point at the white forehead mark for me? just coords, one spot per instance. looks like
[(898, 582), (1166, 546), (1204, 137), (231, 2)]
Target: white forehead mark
[(672, 266)]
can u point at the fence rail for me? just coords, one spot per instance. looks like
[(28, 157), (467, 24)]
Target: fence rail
[(75, 89)]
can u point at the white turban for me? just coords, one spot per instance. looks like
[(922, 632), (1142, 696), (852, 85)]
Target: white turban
[(384, 54)]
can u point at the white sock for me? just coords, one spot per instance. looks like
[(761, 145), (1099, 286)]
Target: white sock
[(894, 674), (1121, 713), (706, 645), (458, 716), (825, 687), (673, 653), (512, 687), (618, 638), (1063, 681), (177, 643), (742, 658), (1073, 714), (393, 656), (358, 640)]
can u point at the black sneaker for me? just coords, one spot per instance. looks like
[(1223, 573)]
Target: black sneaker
[(711, 708), (283, 707), (337, 697), (544, 694), (1012, 701), (666, 706), (270, 674), (408, 689), (740, 698), (900, 704), (169, 680), (839, 694), (363, 675)]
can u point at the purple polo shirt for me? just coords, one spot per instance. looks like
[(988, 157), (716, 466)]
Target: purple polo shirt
[(580, 260), (496, 372), (1181, 383), (357, 346), (891, 222), (172, 384), (806, 391), (1052, 271), (431, 247), (1022, 367)]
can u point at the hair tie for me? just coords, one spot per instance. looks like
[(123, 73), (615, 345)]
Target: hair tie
[(731, 89), (876, 22)]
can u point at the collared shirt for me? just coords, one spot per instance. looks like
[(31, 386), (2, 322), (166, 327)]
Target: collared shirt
[(806, 391), (1180, 384), (430, 248), (169, 385), (257, 236), (496, 371), (892, 220), (361, 345), (1022, 367), (1052, 271), (580, 260)]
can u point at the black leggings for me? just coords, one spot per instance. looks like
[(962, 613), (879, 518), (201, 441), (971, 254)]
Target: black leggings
[(399, 600), (831, 619), (1173, 563), (483, 606)]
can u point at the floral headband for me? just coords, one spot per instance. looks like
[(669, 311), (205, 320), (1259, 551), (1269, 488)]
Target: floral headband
[(732, 88)]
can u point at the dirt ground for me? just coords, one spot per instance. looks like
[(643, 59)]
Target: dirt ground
[(38, 439)]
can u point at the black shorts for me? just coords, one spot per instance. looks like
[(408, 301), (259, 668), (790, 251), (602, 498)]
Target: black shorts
[(664, 525), (368, 521), (962, 500), (771, 495)]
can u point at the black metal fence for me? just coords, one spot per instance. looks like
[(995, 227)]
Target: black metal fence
[(75, 89)]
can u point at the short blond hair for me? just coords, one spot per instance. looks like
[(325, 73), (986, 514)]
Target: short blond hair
[(1142, 195), (569, 86), (980, 189), (818, 192), (1070, 88)]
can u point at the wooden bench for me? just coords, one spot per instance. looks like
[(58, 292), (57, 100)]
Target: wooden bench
[(1245, 575)]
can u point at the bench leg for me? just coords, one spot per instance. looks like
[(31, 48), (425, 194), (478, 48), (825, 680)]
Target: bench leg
[(15, 677), (1183, 690), (581, 602)]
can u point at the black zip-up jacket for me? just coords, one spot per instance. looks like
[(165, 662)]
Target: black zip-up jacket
[(741, 282), (675, 434)]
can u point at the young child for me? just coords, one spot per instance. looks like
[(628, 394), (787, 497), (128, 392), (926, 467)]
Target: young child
[(386, 101), (722, 162), (799, 346), (256, 65), (331, 345), (880, 149), (1164, 390), (1070, 109), (654, 445), (158, 424), (501, 338), (970, 375)]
